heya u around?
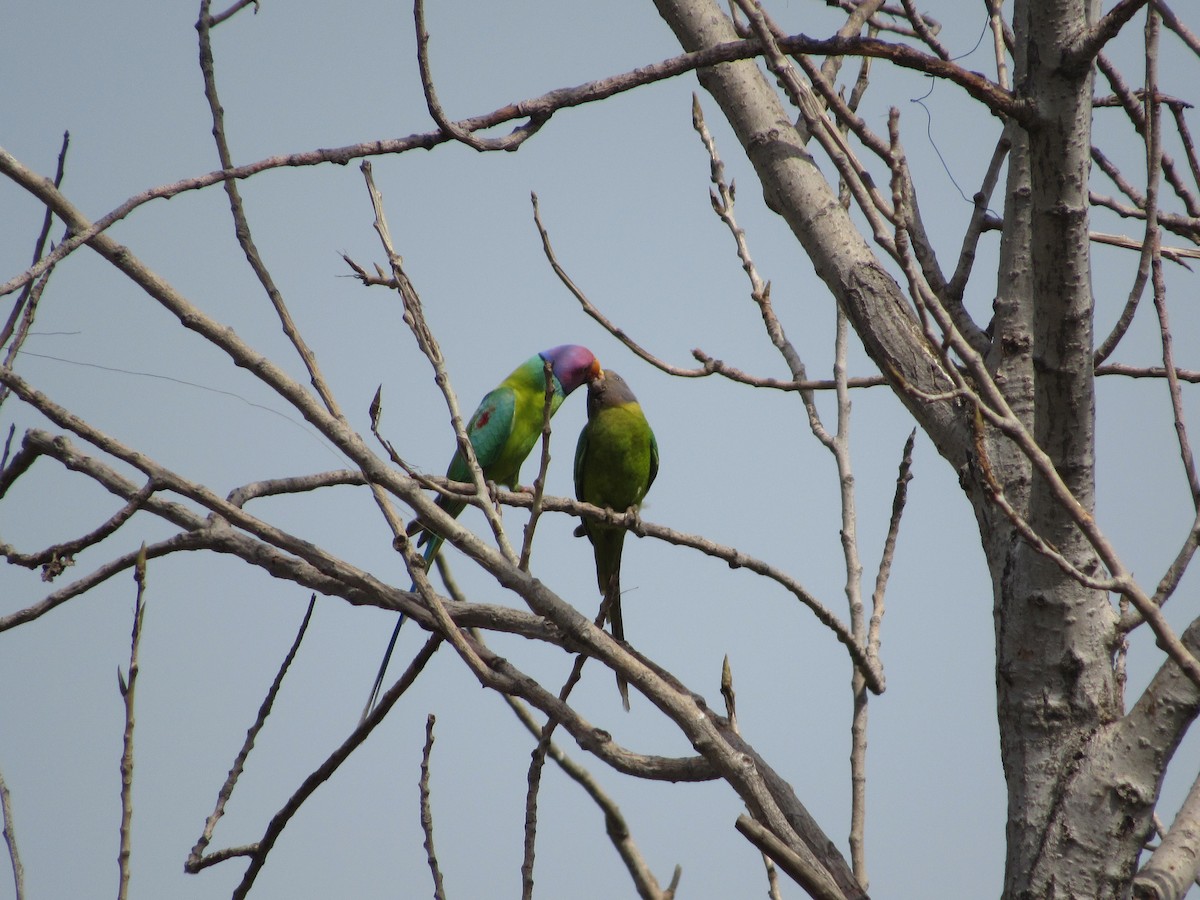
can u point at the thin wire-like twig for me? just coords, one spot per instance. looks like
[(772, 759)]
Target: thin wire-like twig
[(1189, 375), (709, 365), (595, 313), (39, 250)]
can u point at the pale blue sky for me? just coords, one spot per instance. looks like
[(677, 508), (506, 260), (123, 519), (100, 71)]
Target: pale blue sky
[(623, 188)]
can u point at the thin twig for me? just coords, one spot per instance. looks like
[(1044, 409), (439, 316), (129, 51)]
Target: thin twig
[(615, 823), (539, 483), (511, 141), (128, 687), (1174, 254), (980, 221), (1172, 21), (538, 762), (994, 97), (54, 560), (414, 317), (805, 871), (1149, 249), (595, 313), (1153, 133), (439, 891), (21, 317), (241, 225), (1133, 108), (39, 250), (889, 544), (722, 198), (214, 21), (10, 840), (260, 849), (196, 859), (1001, 40), (1189, 375)]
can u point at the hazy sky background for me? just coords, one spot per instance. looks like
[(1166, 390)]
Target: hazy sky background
[(623, 187)]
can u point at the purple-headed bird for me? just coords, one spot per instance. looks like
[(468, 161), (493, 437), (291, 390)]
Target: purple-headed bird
[(503, 431)]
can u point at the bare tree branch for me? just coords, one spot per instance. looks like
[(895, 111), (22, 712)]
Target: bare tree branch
[(1175, 865), (259, 850), (615, 824), (20, 318), (128, 686), (241, 225), (1088, 45), (439, 891), (196, 859), (511, 141), (10, 840), (806, 872)]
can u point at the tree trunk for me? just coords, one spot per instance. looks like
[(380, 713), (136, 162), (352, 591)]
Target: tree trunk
[(1082, 779)]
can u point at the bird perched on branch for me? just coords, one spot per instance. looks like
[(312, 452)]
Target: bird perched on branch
[(616, 461), (502, 432)]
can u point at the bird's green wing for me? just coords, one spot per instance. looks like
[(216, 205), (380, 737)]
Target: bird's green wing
[(653, 459), (489, 431), (580, 459)]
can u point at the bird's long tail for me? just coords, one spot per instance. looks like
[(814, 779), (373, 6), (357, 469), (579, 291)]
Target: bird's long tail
[(434, 544), (608, 574), (613, 599)]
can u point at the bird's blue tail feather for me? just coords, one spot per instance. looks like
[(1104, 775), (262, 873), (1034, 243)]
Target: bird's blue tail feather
[(431, 549)]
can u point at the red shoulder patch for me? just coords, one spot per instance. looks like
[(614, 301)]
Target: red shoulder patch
[(482, 421)]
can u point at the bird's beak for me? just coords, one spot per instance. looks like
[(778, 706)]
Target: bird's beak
[(594, 371)]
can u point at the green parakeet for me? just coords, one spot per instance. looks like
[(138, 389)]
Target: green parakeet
[(616, 461), (503, 431)]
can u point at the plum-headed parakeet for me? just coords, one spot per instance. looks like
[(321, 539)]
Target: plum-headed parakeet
[(502, 432), (615, 464)]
